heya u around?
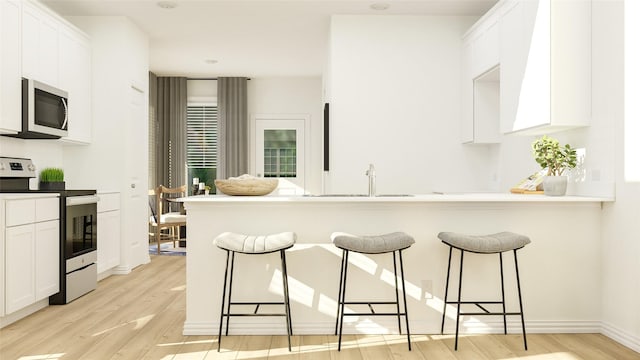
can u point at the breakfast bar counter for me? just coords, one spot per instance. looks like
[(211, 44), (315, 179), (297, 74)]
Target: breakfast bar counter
[(559, 270)]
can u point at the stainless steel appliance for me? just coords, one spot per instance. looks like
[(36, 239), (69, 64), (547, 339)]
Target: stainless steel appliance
[(78, 229), (78, 245), (44, 111)]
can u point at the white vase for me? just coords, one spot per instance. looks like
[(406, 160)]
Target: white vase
[(554, 185)]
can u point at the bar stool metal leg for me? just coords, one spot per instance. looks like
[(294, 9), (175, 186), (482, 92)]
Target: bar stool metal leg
[(404, 295), (524, 333), (504, 308), (459, 299), (339, 293), (446, 291), (284, 257), (233, 258), (224, 293), (395, 273), (344, 288), (285, 286)]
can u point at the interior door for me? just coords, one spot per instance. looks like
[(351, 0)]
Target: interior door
[(280, 152), (135, 250)]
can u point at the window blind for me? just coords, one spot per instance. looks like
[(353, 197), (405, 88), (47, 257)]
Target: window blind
[(202, 136)]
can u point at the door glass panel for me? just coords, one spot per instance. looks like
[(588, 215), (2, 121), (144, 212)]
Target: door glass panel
[(280, 153)]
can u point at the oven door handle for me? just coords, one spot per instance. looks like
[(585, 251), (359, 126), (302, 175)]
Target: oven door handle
[(82, 200)]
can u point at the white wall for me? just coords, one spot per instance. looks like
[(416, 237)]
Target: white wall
[(292, 95), (621, 225), (395, 89), (118, 155), (99, 165), (603, 168), (44, 153), (202, 89)]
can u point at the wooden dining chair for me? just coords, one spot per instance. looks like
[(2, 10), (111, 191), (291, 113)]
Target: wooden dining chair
[(162, 218)]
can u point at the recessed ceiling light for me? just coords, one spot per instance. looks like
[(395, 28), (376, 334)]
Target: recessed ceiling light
[(211, 61), (379, 6), (167, 4)]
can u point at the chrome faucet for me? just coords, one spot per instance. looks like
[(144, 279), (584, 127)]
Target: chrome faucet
[(371, 173)]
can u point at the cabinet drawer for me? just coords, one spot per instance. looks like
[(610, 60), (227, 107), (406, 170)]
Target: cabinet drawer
[(20, 212), (47, 209), (109, 202)]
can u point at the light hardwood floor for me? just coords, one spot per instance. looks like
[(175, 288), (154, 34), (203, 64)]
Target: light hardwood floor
[(140, 316)]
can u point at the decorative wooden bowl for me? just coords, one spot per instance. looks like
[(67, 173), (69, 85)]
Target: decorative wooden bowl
[(246, 187)]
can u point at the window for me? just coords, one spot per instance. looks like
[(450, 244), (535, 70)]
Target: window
[(202, 142), (280, 153)]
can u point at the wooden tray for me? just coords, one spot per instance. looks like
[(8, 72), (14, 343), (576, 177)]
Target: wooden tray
[(526, 192), (247, 187)]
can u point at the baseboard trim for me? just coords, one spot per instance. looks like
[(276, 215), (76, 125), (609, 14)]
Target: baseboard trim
[(389, 326), (621, 336), (386, 326), (121, 270)]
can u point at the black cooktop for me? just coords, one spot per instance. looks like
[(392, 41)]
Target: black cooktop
[(63, 193)]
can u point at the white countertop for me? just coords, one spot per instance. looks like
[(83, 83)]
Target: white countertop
[(22, 196), (422, 198)]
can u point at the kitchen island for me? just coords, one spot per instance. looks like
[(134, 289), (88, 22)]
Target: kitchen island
[(560, 270)]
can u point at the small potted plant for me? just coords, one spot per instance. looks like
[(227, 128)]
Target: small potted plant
[(52, 179), (556, 159)]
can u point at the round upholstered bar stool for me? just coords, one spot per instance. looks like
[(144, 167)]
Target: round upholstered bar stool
[(234, 243), (377, 244), (484, 244)]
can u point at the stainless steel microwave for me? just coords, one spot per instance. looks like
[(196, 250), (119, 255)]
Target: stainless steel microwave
[(45, 112)]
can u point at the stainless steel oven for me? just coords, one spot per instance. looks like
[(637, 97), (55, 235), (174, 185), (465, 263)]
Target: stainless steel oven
[(79, 275)]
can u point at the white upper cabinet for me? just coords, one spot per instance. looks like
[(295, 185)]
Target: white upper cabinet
[(56, 53), (467, 92), (486, 46), (39, 45), (480, 81), (10, 67), (75, 78), (515, 40), (545, 65)]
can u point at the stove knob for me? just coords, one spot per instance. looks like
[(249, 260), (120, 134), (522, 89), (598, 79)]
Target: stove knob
[(1, 166), (31, 167)]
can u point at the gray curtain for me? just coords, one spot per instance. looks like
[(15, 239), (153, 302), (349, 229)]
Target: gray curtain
[(233, 145), (170, 131)]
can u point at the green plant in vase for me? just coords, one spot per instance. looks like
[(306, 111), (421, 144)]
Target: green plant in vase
[(52, 179), (550, 155)]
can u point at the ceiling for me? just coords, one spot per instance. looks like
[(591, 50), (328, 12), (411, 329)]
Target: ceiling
[(259, 38)]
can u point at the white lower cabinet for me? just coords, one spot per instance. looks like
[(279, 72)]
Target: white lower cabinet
[(47, 255), (108, 240), (108, 231), (20, 267), (31, 251)]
